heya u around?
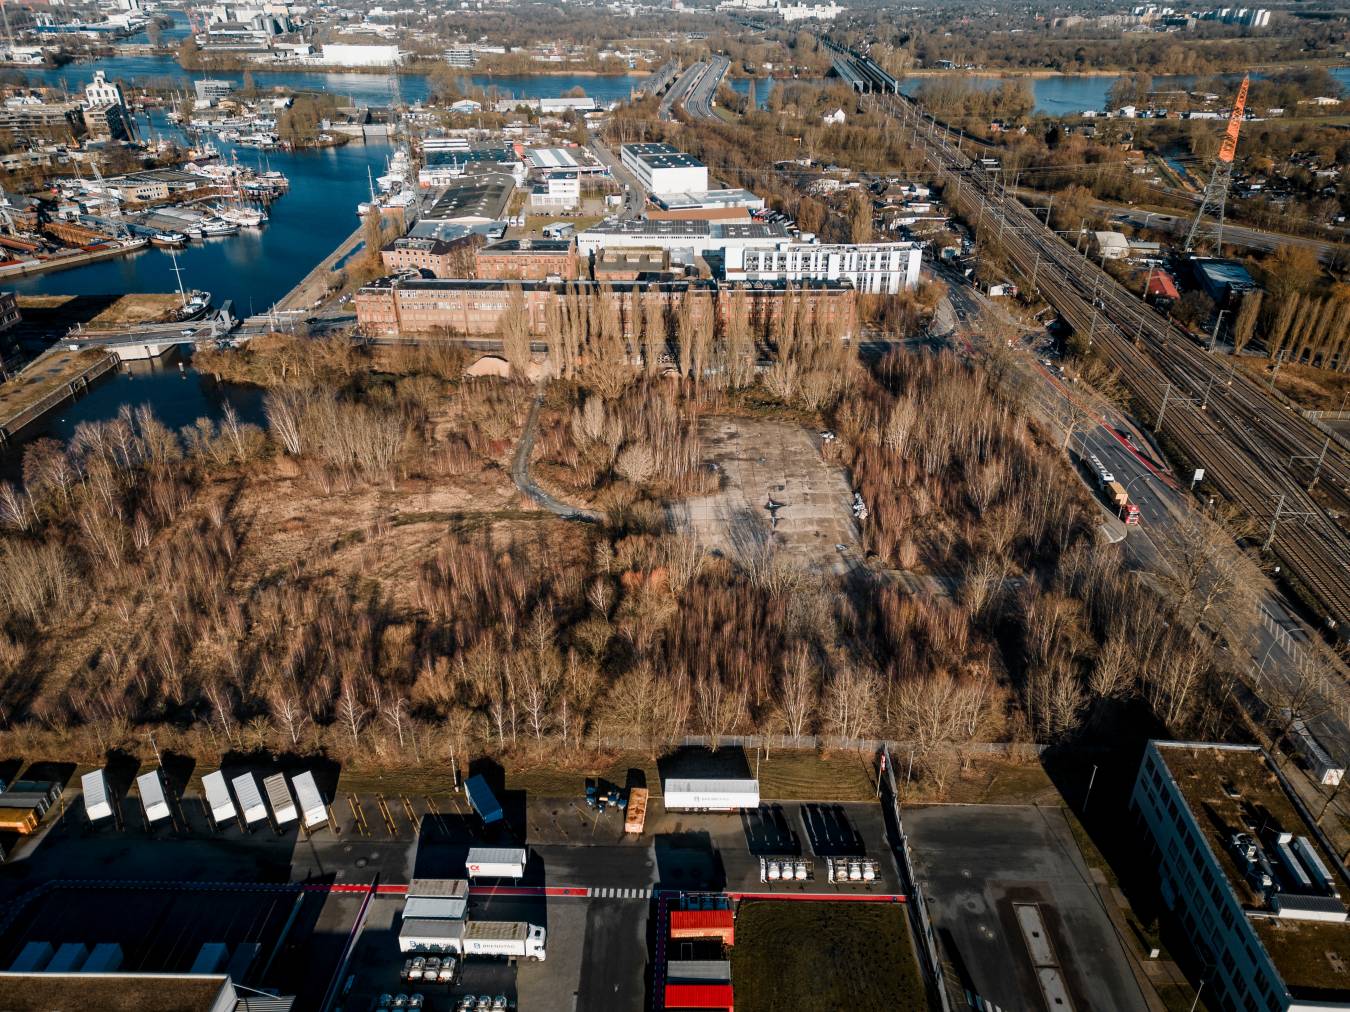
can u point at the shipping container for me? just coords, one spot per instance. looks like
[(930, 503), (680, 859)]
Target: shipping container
[(50, 789), (151, 788), (250, 801), (33, 957), (18, 820), (283, 805), (698, 971), (700, 996), (218, 798), (69, 958), (496, 862), (211, 958), (719, 924), (105, 958), (636, 816), (710, 795), (482, 799), (98, 802), (35, 802), (313, 812)]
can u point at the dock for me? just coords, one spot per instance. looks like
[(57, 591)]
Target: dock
[(57, 376), (74, 260)]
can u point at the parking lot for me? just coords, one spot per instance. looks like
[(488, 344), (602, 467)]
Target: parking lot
[(975, 863), (598, 940)]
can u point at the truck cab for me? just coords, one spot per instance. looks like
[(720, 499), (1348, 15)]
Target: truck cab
[(534, 943)]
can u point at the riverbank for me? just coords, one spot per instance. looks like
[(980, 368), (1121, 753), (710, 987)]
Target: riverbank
[(67, 262), (418, 68), (47, 382)]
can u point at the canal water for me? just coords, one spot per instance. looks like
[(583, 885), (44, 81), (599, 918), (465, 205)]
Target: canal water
[(257, 266), (177, 393)]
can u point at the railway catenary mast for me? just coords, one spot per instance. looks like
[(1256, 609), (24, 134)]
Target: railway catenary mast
[(1216, 193)]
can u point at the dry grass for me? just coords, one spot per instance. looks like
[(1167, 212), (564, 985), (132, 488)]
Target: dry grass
[(1311, 389), (124, 311)]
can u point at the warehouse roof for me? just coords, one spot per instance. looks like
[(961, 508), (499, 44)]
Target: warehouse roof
[(483, 196), (662, 156)]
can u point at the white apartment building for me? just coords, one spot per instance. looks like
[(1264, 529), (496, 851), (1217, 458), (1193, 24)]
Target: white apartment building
[(661, 168), (361, 55), (1248, 875), (102, 92), (876, 268)]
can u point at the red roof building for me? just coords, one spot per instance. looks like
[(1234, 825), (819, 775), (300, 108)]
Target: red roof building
[(704, 924), (700, 996), (1161, 287)]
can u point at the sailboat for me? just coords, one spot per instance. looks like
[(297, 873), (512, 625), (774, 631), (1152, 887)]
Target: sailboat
[(194, 303)]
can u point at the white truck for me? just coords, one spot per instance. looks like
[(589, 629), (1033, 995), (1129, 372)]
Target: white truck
[(513, 939), (496, 862), (218, 798), (710, 795), (97, 798), (250, 800), (153, 800), (313, 812), (279, 794)]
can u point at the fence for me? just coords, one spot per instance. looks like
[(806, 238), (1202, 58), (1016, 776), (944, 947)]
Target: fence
[(806, 742), (925, 939)]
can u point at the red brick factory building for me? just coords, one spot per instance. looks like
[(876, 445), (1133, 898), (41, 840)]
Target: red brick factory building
[(392, 307)]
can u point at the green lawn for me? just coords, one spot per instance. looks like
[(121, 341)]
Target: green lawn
[(812, 956)]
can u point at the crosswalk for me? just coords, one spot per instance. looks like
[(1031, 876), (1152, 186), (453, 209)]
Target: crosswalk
[(977, 1002), (617, 893)]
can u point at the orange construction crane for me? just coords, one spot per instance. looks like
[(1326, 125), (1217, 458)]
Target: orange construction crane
[(1216, 193)]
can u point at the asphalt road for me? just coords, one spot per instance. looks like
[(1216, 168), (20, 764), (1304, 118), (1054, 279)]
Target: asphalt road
[(699, 104), (679, 89), (633, 196)]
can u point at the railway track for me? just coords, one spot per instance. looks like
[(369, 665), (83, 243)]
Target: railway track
[(1248, 441)]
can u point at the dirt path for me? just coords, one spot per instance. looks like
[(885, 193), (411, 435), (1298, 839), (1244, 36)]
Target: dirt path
[(520, 473)]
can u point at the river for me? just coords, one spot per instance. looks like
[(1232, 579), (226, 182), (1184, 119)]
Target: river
[(256, 267), (363, 89), (1070, 94)]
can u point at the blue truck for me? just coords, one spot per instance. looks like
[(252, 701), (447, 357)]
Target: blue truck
[(482, 799)]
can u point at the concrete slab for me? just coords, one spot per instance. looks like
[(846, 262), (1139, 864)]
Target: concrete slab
[(976, 863), (761, 460)]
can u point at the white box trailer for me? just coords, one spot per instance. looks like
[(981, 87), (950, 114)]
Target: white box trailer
[(710, 795), (151, 788), (313, 812), (496, 862), (105, 958), (514, 939), (218, 798), (97, 797), (250, 800), (428, 934), (279, 794), (436, 899)]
